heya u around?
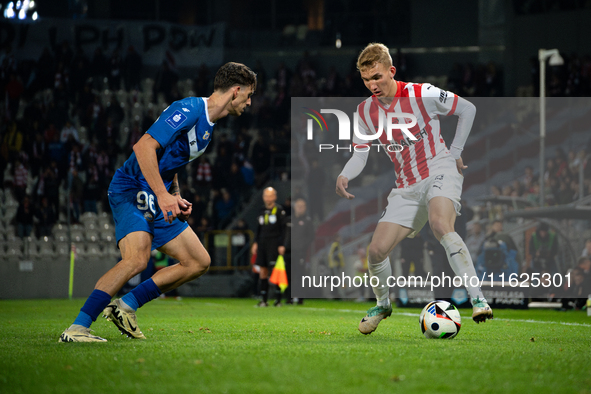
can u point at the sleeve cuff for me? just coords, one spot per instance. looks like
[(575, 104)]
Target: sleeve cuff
[(456, 152)]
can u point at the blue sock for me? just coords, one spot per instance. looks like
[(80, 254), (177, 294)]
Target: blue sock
[(143, 293), (83, 319), (130, 301), (94, 305)]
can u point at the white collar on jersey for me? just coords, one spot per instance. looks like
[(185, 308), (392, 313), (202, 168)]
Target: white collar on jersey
[(207, 112)]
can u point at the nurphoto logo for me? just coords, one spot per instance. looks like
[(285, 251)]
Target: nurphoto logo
[(392, 121)]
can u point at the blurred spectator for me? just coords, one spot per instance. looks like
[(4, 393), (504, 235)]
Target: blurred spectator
[(14, 90), (584, 263), (115, 70), (587, 250), (76, 195), (132, 69), (38, 154), (46, 216), (496, 258), (235, 182), (224, 208), (92, 190), (576, 295), (361, 269), (201, 84), (76, 161), (283, 76), (165, 79), (316, 180), (98, 68), (203, 227), (24, 218), (241, 244), (48, 186), (198, 208), (203, 176), (261, 158), (475, 239), (496, 232), (302, 235), (247, 173), (12, 142), (336, 259), (21, 177), (543, 248), (411, 257)]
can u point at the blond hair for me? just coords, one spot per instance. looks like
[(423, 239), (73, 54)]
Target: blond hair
[(372, 54)]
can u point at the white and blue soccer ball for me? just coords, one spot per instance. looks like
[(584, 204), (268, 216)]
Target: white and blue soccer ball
[(440, 319)]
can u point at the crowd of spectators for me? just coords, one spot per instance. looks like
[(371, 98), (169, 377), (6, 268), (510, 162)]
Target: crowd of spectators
[(69, 121), (480, 80), (561, 181), (61, 129), (573, 79)]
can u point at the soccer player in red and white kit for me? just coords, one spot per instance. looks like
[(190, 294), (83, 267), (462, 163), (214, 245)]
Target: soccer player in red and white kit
[(428, 175)]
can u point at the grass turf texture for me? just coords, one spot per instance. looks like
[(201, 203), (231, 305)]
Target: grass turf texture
[(227, 345)]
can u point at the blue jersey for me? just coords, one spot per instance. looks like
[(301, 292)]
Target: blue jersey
[(183, 131)]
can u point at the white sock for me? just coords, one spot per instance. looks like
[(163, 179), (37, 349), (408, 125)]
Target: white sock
[(461, 262), (382, 271)]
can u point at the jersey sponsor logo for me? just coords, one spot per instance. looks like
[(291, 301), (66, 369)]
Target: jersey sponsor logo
[(443, 96), (206, 135), (408, 142), (185, 110), (176, 119), (193, 142)]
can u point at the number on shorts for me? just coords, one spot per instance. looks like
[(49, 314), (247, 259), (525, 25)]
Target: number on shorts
[(145, 201)]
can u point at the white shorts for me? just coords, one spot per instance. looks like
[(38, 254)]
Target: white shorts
[(409, 207)]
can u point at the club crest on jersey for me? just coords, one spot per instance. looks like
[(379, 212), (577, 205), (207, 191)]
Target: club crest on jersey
[(206, 135), (176, 119)]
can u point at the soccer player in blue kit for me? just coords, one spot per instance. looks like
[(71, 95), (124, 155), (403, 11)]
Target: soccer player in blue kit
[(145, 198)]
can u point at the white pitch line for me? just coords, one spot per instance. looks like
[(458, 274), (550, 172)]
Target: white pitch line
[(495, 319)]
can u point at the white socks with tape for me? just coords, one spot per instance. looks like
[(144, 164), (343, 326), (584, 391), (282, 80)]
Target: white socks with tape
[(382, 271), (461, 262)]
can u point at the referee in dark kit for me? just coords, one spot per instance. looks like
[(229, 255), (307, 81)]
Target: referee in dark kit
[(269, 242)]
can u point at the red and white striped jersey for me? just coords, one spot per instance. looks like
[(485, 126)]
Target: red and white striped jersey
[(418, 159)]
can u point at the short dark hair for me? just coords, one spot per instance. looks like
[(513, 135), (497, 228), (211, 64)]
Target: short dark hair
[(232, 74)]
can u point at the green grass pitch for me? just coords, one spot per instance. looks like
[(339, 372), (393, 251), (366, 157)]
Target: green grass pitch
[(228, 346)]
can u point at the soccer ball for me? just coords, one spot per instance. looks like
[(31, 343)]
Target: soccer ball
[(440, 319)]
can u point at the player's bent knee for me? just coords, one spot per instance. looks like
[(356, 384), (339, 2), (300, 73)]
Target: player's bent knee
[(377, 254), (138, 264), (440, 227), (200, 267)]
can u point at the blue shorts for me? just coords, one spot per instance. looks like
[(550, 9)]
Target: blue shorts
[(138, 210)]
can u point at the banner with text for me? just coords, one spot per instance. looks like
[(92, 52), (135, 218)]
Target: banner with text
[(190, 46)]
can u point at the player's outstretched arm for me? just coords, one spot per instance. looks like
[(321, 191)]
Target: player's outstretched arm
[(342, 185), (145, 152), (352, 169)]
